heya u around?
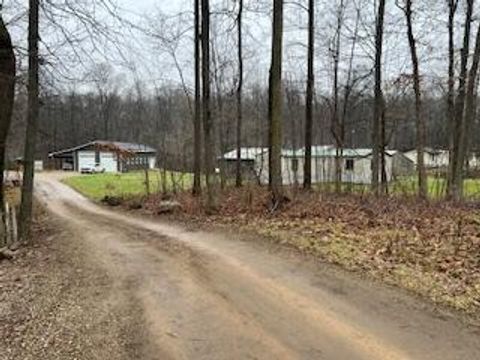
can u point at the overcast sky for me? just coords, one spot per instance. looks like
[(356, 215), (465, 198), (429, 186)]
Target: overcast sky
[(133, 54)]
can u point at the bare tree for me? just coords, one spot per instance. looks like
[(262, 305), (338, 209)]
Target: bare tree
[(238, 177), (276, 104), (470, 109), (307, 172), (32, 122), (221, 95), (419, 116), (207, 113), (456, 168), (7, 95), (105, 84), (452, 8), (379, 100), (338, 124), (197, 125)]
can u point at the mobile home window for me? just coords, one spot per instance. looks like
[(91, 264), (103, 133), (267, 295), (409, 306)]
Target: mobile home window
[(294, 164), (349, 164), (97, 157)]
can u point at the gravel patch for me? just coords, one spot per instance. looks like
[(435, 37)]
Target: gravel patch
[(56, 302)]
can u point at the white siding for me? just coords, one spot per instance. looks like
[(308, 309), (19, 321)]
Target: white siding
[(289, 175), (362, 170), (38, 165), (439, 159), (108, 161), (261, 168), (86, 159), (152, 162), (323, 170)]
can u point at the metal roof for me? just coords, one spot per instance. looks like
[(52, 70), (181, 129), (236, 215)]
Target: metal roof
[(331, 151), (429, 150), (121, 146), (246, 153)]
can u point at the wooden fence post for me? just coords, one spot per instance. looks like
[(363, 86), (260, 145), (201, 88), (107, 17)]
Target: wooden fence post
[(6, 220), (13, 215)]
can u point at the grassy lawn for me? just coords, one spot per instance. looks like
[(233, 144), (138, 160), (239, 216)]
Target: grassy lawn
[(97, 186), (437, 187)]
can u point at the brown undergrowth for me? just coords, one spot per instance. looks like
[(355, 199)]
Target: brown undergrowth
[(431, 248)]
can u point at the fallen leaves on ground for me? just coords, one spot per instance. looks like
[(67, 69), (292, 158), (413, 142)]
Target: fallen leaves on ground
[(432, 248)]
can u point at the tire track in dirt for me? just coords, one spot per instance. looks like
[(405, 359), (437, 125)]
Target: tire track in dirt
[(206, 297)]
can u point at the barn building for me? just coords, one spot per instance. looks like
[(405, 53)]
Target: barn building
[(105, 156)]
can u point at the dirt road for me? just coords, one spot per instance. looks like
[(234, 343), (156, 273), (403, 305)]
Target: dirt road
[(208, 296)]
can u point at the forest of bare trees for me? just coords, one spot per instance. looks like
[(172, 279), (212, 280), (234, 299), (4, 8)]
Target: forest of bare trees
[(219, 76)]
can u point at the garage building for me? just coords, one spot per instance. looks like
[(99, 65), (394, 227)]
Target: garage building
[(109, 156)]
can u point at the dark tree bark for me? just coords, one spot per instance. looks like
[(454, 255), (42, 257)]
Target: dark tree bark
[(32, 122), (238, 177), (456, 183), (276, 105), (350, 82), (222, 125), (307, 171), (197, 132), (419, 116), (379, 101), (470, 106), (452, 8), (207, 113), (7, 95), (338, 126)]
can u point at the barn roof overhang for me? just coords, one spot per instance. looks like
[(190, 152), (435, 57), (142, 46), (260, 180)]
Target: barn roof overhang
[(113, 146)]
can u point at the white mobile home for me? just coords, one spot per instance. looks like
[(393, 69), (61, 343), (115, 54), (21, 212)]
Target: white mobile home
[(355, 163)]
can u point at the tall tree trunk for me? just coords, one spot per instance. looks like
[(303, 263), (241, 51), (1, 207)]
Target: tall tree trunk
[(238, 175), (419, 117), (32, 122), (307, 171), (379, 104), (207, 113), (470, 107), (197, 126), (455, 185), (335, 117), (221, 123), (276, 104), (383, 145), (7, 95), (349, 82), (452, 8), (337, 125)]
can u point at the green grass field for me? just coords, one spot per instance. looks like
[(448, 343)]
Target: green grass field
[(437, 187), (408, 186), (97, 186)]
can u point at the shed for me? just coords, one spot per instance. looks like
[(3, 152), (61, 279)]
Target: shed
[(228, 162), (433, 158), (110, 156)]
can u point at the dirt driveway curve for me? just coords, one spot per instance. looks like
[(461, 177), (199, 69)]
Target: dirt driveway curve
[(205, 296)]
